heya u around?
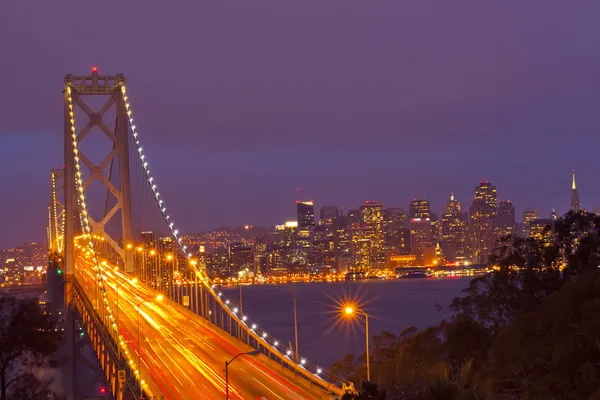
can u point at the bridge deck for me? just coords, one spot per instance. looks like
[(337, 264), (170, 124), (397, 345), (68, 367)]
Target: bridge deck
[(183, 355)]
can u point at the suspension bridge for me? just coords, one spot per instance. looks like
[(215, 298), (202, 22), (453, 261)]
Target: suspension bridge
[(121, 272)]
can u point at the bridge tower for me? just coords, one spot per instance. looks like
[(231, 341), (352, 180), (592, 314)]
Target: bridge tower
[(108, 88), (56, 213)]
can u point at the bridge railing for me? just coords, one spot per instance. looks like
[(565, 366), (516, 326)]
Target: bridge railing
[(202, 299), (103, 343)]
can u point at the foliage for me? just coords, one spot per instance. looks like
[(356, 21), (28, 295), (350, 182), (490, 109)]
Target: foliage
[(526, 331), (29, 387), (27, 340)]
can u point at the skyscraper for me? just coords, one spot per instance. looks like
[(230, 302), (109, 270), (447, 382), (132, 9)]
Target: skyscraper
[(323, 247), (342, 242), (529, 215), (148, 238), (394, 220), (575, 203), (506, 218), (353, 216), (420, 209), (421, 237), (483, 222), (327, 215), (306, 214), (241, 257), (453, 231), (367, 236)]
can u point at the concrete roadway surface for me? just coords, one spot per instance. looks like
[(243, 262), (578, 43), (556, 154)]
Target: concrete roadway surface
[(183, 356)]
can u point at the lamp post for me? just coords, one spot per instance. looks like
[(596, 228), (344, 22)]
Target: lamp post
[(295, 325), (350, 311), (159, 298), (241, 306), (250, 353)]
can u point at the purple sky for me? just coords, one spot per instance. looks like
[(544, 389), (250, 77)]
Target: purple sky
[(350, 100)]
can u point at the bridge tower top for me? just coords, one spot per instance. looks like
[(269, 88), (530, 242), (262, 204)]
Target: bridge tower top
[(77, 179)]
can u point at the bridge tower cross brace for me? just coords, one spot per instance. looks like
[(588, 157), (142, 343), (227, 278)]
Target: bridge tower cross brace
[(110, 88)]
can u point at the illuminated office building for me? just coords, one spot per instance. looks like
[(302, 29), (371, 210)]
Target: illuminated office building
[(529, 215), (454, 231), (420, 209), (306, 214), (506, 218), (361, 247), (394, 220), (372, 220), (301, 250), (261, 256), (323, 247), (483, 219), (241, 257), (284, 244), (148, 239), (342, 237), (540, 229), (421, 237)]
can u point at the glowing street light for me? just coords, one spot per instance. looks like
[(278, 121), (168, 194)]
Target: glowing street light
[(350, 311)]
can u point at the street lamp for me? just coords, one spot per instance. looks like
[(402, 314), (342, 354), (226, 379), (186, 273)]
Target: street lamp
[(159, 298), (250, 353), (295, 325), (350, 311)]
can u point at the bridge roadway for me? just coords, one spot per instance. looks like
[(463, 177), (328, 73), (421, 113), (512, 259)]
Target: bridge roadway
[(183, 355)]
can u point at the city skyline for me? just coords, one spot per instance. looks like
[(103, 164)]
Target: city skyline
[(292, 213), (279, 106)]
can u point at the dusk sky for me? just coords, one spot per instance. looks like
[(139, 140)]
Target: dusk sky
[(242, 102)]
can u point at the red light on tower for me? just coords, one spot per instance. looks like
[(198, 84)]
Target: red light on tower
[(102, 390), (94, 69)]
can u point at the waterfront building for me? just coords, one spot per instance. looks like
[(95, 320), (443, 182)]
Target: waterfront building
[(454, 231), (483, 216), (421, 234), (342, 237), (241, 257), (506, 218), (372, 228)]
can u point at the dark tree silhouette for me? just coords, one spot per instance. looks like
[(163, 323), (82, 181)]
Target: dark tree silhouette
[(528, 330), (27, 340)]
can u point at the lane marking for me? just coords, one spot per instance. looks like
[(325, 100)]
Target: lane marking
[(274, 394)]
